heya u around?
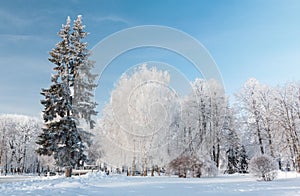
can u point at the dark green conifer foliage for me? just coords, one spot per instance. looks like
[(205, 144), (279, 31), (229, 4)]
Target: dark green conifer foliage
[(68, 98)]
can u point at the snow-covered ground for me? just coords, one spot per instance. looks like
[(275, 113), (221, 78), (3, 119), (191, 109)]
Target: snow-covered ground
[(99, 184)]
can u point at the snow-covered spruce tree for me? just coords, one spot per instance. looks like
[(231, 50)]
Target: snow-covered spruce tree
[(60, 136), (243, 160), (84, 83), (232, 141), (263, 167)]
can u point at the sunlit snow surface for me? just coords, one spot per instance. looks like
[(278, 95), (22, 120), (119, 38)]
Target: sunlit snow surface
[(99, 184)]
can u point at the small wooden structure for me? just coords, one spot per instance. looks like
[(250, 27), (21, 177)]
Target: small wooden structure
[(85, 169)]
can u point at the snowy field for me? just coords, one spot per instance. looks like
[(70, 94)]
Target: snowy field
[(98, 184)]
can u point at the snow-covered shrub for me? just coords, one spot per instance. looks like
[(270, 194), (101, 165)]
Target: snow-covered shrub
[(190, 166), (209, 168), (263, 167), (184, 165)]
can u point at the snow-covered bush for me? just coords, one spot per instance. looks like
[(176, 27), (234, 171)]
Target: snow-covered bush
[(184, 165), (190, 166), (263, 167), (209, 168)]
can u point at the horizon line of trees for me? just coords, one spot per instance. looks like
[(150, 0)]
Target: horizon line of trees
[(263, 120)]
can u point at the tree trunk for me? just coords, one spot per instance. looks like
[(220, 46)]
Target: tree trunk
[(68, 172), (214, 153), (133, 167), (6, 166), (218, 155), (24, 155), (270, 142), (128, 171), (152, 171), (259, 138), (298, 164)]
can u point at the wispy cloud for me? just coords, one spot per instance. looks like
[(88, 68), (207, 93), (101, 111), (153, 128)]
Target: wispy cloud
[(18, 37), (112, 18)]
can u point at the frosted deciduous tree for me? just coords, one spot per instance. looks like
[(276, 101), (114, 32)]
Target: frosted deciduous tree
[(195, 119), (266, 98), (203, 117), (218, 104), (251, 116), (137, 119), (288, 118)]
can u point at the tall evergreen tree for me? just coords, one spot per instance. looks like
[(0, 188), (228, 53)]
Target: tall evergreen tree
[(61, 137), (244, 160), (233, 151), (232, 141), (84, 83)]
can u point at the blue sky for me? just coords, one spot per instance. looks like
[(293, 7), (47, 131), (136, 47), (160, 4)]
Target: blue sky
[(253, 38)]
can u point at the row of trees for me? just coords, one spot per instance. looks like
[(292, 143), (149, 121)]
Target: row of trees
[(146, 123), (270, 121), (18, 134), (154, 126)]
